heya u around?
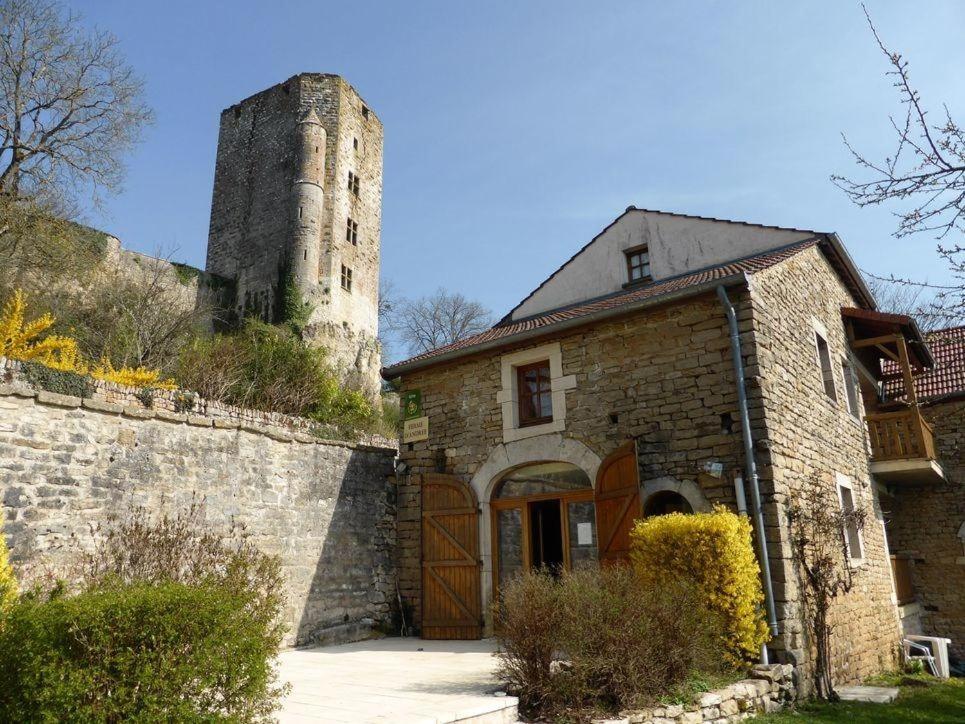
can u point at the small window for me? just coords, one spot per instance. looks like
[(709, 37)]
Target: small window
[(824, 359), (352, 232), (852, 535), (353, 183), (355, 144), (346, 278), (535, 393), (638, 265), (365, 112), (850, 387)]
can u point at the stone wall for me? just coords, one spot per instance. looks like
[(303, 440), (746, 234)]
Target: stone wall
[(768, 689), (926, 524), (809, 439), (327, 508)]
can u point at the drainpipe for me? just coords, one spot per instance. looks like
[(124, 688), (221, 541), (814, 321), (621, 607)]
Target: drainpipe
[(750, 466)]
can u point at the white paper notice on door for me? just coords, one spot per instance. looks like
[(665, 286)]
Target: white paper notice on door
[(584, 534)]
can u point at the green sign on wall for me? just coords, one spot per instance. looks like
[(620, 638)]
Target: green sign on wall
[(411, 404)]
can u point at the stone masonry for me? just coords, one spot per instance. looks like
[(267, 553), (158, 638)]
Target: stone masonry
[(327, 508), (809, 438), (664, 377), (297, 197)]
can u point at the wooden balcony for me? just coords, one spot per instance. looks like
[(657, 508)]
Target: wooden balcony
[(903, 446)]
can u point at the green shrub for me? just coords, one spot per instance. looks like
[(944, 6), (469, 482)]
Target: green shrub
[(714, 552), (269, 368), (182, 548), (161, 652), (621, 644), (59, 381)]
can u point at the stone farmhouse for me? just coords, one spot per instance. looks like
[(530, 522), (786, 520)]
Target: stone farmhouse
[(673, 363)]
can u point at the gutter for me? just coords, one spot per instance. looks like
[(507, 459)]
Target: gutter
[(404, 368), (750, 466)]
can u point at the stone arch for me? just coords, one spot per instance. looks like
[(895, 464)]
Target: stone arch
[(552, 447), (688, 489)]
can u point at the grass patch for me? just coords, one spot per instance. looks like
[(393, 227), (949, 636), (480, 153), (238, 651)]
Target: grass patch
[(921, 699)]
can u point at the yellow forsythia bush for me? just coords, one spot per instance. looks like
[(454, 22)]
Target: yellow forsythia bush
[(130, 376), (26, 340), (715, 551), (23, 340), (8, 584)]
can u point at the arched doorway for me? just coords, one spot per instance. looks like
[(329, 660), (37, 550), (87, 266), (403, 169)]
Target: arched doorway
[(543, 515)]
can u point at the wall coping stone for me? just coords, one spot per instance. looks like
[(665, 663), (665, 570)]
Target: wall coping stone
[(168, 405), (56, 400), (52, 399)]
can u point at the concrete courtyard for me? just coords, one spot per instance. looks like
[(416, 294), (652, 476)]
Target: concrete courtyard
[(399, 680)]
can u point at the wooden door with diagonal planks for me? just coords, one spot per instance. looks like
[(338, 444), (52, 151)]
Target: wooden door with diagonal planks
[(617, 498), (451, 602)]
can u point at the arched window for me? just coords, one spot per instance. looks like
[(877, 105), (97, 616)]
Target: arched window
[(666, 501), (541, 478)]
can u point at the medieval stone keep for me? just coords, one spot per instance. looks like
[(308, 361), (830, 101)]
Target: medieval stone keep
[(296, 213)]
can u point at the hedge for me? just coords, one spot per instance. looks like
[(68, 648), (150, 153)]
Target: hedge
[(141, 652), (715, 552)]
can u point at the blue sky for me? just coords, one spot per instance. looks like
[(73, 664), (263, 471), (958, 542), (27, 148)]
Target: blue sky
[(515, 131)]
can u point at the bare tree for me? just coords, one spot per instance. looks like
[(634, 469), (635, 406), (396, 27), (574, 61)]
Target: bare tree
[(436, 320), (819, 541), (926, 170), (70, 107)]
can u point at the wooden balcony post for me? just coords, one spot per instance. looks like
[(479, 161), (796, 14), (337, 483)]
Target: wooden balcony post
[(906, 369)]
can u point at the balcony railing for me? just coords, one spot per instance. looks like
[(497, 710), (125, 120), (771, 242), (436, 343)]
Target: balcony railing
[(900, 435), (904, 588)]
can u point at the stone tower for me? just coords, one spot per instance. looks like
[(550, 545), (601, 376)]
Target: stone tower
[(297, 204)]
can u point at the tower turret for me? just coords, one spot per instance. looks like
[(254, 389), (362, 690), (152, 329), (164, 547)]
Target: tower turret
[(308, 204)]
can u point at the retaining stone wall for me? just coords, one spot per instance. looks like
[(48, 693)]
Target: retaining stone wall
[(326, 507), (768, 688)]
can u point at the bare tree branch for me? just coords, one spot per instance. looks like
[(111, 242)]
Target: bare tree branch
[(926, 172), (70, 107), (437, 320)]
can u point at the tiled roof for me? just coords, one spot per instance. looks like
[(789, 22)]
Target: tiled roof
[(947, 377), (507, 329)]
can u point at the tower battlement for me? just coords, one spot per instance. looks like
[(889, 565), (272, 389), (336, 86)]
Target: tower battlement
[(297, 204)]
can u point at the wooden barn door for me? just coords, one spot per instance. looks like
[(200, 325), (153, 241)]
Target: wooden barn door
[(451, 603), (617, 498)]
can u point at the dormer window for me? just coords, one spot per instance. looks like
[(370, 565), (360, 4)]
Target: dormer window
[(638, 264)]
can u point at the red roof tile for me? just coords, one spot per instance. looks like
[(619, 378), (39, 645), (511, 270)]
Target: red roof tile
[(947, 377), (507, 329)]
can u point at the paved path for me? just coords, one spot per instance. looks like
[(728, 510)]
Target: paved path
[(404, 681)]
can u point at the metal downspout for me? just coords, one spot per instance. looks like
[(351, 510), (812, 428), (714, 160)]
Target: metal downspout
[(749, 464)]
